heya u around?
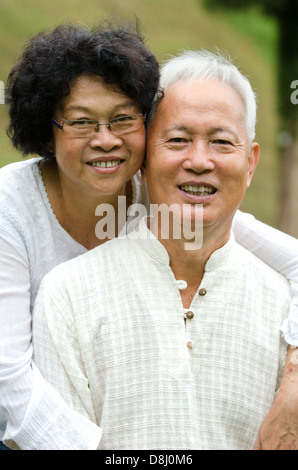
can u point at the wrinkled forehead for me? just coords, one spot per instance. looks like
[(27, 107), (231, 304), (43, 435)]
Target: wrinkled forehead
[(196, 101)]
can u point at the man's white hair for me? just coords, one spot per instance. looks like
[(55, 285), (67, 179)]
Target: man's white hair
[(203, 65)]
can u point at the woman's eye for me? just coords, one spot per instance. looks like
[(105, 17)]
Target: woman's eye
[(124, 118), (81, 122)]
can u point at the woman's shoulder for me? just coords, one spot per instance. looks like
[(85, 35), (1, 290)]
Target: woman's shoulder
[(19, 187), (19, 177), (13, 170)]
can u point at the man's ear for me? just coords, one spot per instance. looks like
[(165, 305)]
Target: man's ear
[(253, 159)]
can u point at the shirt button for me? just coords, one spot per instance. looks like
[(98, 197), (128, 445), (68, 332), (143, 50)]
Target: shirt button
[(189, 344), (203, 291), (181, 284), (189, 315)]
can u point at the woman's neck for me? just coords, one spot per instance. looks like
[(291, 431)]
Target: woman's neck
[(77, 213)]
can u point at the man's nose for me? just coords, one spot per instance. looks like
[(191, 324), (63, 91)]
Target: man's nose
[(199, 157), (105, 139)]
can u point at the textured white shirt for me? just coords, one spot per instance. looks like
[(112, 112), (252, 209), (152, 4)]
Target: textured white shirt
[(32, 242), (111, 334)]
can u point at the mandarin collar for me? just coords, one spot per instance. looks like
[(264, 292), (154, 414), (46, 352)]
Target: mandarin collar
[(155, 249)]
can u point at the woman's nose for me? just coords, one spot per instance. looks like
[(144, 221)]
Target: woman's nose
[(105, 139)]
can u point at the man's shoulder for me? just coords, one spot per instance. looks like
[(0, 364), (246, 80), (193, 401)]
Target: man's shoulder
[(93, 263)]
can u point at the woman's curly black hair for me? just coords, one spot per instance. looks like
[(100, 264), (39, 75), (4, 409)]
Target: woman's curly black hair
[(42, 77)]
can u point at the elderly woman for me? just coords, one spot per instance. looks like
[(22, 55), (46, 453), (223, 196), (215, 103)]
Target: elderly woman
[(79, 100)]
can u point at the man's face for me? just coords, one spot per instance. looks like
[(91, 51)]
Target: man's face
[(198, 150)]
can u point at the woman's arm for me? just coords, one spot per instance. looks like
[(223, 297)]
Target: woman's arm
[(279, 430), (38, 418), (280, 427), (278, 250)]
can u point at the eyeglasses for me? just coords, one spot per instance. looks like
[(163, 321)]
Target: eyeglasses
[(86, 127)]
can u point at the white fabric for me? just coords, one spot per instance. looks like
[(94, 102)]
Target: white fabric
[(109, 334), (31, 243), (278, 250)]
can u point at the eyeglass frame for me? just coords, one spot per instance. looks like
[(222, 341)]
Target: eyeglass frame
[(98, 124)]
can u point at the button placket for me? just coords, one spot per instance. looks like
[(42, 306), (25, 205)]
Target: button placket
[(188, 316)]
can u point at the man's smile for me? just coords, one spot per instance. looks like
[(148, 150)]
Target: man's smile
[(197, 190)]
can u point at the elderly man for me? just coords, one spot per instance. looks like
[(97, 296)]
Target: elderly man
[(164, 344)]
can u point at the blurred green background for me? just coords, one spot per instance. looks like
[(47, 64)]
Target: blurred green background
[(169, 26)]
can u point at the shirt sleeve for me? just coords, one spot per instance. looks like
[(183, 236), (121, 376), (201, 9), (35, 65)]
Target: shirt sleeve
[(38, 418), (57, 350), (278, 250)]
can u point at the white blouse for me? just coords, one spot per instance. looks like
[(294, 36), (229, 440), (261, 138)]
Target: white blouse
[(32, 242)]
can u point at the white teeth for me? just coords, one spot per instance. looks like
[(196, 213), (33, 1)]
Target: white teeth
[(197, 190), (103, 164)]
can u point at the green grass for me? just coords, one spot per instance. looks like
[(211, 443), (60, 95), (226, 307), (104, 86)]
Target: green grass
[(261, 28), (168, 26)]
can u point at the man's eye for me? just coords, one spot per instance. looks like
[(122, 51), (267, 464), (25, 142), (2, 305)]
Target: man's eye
[(178, 140), (222, 145), (222, 142), (177, 143)]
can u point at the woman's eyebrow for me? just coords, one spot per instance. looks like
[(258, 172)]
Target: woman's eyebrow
[(78, 107)]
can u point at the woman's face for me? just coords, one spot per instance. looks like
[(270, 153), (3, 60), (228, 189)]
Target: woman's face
[(101, 164)]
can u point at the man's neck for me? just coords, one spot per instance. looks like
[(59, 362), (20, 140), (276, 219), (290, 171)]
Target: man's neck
[(189, 265)]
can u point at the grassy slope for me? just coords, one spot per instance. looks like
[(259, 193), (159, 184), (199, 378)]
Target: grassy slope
[(168, 25)]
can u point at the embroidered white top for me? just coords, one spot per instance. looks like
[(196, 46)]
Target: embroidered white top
[(31, 243), (111, 334)]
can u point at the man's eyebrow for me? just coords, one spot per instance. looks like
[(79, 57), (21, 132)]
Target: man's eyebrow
[(213, 131), (223, 130), (178, 128)]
